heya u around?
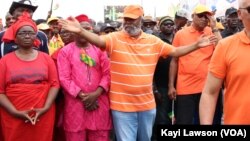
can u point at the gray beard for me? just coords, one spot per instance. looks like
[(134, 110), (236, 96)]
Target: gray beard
[(132, 30)]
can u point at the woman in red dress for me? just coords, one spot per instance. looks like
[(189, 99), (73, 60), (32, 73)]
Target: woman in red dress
[(28, 86)]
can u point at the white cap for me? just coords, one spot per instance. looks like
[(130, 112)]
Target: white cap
[(182, 13)]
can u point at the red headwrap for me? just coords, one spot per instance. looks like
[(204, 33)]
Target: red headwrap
[(82, 18), (24, 20)]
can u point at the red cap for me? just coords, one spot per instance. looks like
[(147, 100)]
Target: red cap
[(82, 18)]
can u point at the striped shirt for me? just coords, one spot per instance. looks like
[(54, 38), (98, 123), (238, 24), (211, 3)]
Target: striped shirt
[(133, 62)]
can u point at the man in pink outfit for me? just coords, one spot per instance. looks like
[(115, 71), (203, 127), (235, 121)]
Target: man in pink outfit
[(85, 77)]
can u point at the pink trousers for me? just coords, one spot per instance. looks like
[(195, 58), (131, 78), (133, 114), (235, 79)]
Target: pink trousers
[(88, 135)]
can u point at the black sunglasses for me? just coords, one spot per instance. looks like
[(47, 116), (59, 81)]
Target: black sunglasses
[(247, 8), (201, 15), (168, 24), (149, 24), (108, 31)]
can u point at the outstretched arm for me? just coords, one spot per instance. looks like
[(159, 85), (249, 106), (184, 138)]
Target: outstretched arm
[(74, 26), (204, 41)]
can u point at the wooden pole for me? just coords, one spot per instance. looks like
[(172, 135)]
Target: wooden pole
[(51, 10), (51, 6)]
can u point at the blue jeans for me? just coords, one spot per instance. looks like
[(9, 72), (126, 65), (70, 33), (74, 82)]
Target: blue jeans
[(133, 126)]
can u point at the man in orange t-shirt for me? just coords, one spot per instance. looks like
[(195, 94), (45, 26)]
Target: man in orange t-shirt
[(192, 68), (230, 64), (133, 55)]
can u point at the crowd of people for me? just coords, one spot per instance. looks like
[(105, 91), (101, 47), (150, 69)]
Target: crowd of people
[(77, 80)]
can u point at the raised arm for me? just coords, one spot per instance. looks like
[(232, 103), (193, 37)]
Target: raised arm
[(215, 30), (74, 26)]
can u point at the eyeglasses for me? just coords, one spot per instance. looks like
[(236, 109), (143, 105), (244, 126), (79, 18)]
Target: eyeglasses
[(247, 8), (168, 24), (108, 31), (10, 18), (148, 24), (201, 15), (23, 34)]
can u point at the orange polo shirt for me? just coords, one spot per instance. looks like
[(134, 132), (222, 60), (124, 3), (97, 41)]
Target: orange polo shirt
[(231, 63), (133, 61), (193, 67)]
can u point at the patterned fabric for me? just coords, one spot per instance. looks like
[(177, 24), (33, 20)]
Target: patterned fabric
[(76, 76), (86, 58), (55, 43)]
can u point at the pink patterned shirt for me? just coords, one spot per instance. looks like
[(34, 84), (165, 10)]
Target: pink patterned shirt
[(76, 76)]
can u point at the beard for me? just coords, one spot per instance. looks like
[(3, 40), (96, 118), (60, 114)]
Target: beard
[(132, 30)]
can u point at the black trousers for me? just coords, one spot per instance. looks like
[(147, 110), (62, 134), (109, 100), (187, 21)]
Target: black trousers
[(187, 109)]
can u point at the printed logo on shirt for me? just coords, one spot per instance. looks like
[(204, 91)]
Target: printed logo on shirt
[(29, 75)]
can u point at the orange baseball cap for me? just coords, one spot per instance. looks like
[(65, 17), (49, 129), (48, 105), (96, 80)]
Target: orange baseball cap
[(133, 11)]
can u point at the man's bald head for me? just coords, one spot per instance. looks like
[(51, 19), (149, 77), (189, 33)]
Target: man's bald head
[(242, 3)]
